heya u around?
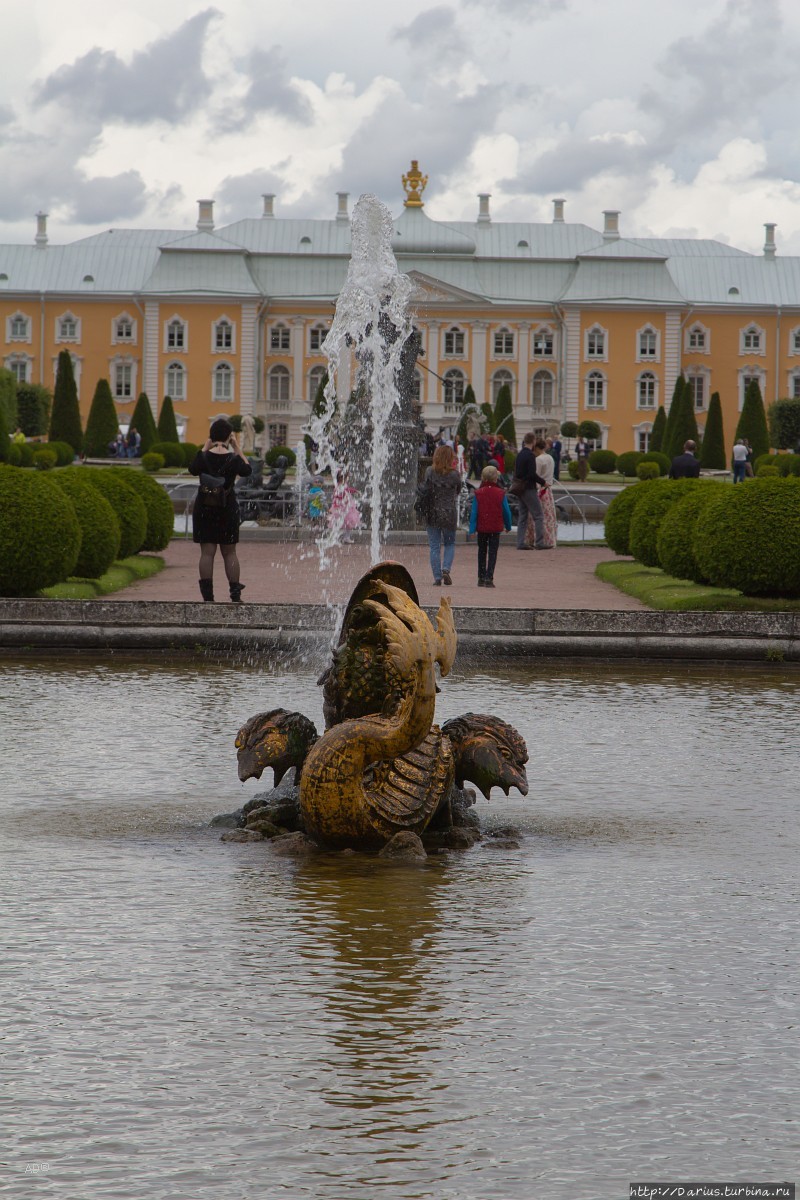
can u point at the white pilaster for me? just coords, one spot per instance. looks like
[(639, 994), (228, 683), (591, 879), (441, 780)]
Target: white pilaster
[(478, 380), (248, 342), (151, 343), (572, 364), (672, 354)]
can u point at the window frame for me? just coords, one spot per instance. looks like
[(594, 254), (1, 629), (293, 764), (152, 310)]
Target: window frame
[(454, 385), (503, 342), (592, 379), (282, 373), (753, 340), (650, 332), (541, 378), (170, 370), (318, 332), (690, 346), (278, 330), (116, 339), (649, 380), (457, 338), (547, 334), (22, 318), (218, 327), (223, 371), (176, 322), (590, 353)]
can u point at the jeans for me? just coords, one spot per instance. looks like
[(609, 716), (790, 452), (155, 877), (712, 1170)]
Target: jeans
[(739, 470), (488, 545), (441, 560), (530, 509)]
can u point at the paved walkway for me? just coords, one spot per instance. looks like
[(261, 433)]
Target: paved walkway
[(286, 572)]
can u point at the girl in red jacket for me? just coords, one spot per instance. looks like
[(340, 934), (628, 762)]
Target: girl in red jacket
[(489, 516)]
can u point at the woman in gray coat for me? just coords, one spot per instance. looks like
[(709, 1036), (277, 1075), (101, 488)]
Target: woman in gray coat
[(445, 488)]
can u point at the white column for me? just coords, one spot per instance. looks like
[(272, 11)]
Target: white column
[(523, 399), (432, 363), (247, 343), (478, 380), (151, 342), (672, 354), (572, 365)]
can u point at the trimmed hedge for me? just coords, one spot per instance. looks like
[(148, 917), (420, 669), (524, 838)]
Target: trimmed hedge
[(628, 461), (100, 530), (675, 537), (619, 513), (650, 512), (765, 460), (275, 452), (188, 449), (44, 459), (126, 503), (40, 536), (788, 464), (171, 452), (648, 470), (65, 455), (160, 514), (767, 471), (655, 456), (152, 462), (603, 462), (749, 538)]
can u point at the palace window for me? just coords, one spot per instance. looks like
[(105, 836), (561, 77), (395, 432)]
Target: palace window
[(123, 329), (647, 344), (643, 440), (542, 391), (503, 342), (501, 379), (595, 390), (223, 382), (454, 386), (697, 382), (315, 378), (794, 341), (18, 328), (123, 380), (20, 367), (279, 385), (794, 386), (67, 328), (223, 334), (596, 342), (280, 339), (751, 340), (543, 343), (175, 381), (697, 339), (316, 338), (176, 338), (454, 341), (278, 433), (646, 390), (747, 376)]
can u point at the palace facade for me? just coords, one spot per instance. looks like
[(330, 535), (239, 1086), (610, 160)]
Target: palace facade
[(580, 322)]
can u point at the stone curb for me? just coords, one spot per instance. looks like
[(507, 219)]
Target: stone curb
[(509, 632)]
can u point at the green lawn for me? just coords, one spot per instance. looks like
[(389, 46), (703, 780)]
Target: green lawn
[(658, 590), (119, 575)]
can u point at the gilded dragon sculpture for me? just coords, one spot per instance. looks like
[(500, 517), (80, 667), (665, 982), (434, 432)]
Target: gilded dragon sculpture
[(382, 766)]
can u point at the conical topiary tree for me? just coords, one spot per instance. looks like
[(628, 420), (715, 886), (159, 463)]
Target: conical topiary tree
[(681, 422), (753, 421), (317, 409), (65, 418), (488, 413), (504, 415), (672, 415), (102, 425), (712, 455), (657, 432), (167, 425), (5, 444), (8, 397), (142, 420)]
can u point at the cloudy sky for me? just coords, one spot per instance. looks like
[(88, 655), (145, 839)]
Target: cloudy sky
[(682, 115)]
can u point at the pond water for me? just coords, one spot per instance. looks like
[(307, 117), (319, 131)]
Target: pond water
[(614, 1001)]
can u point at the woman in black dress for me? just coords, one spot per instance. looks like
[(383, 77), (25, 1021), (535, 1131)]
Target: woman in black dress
[(214, 523)]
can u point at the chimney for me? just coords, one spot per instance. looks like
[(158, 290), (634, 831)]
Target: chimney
[(558, 212), (769, 242), (41, 229), (269, 204), (483, 208), (341, 213), (205, 216), (611, 227)]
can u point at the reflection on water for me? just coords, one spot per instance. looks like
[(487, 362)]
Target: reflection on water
[(613, 1001)]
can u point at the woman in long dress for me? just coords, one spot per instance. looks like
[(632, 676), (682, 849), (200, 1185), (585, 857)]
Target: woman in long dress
[(545, 467)]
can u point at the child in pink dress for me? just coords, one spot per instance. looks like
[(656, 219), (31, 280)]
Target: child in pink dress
[(344, 514)]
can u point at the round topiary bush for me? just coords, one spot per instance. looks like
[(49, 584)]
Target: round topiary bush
[(572, 469), (676, 535), (789, 464), (39, 532), (767, 471), (172, 452), (44, 459), (749, 538), (14, 456), (160, 514), (663, 461), (628, 461), (603, 462), (100, 529), (650, 512), (189, 450), (126, 503), (765, 460), (647, 470), (275, 453), (65, 455), (26, 450), (618, 516), (152, 462)]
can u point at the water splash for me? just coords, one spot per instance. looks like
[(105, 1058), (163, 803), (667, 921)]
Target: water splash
[(365, 351)]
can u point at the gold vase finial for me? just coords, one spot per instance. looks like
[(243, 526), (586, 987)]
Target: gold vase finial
[(414, 184)]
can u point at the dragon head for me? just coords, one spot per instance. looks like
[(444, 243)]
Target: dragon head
[(279, 739), (488, 752)]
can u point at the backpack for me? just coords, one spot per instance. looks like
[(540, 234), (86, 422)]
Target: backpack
[(213, 492), (423, 504)]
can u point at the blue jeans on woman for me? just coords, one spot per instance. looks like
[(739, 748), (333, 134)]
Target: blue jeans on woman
[(442, 544)]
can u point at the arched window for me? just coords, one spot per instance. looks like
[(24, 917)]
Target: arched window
[(542, 343), (279, 385), (68, 328), (18, 328), (175, 381), (697, 339), (647, 344), (280, 339), (595, 390), (416, 388), (315, 378), (501, 379), (596, 342), (752, 340), (20, 367), (175, 335), (503, 342), (542, 391), (223, 334), (454, 388), (123, 328), (646, 390), (316, 337), (223, 382), (278, 433)]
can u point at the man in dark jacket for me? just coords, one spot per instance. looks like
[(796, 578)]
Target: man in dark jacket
[(530, 507), (685, 466)]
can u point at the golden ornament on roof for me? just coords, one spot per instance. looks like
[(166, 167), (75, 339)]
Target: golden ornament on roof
[(414, 184)]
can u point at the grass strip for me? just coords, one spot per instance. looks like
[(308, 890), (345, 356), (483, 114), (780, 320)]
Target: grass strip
[(661, 591), (118, 576)]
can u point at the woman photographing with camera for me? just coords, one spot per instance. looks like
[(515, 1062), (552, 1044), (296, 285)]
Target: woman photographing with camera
[(215, 518)]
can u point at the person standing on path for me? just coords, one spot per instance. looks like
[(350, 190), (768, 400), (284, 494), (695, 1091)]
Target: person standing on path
[(527, 482), (686, 465), (215, 517), (582, 456), (444, 482), (554, 450), (489, 516), (545, 468), (739, 461)]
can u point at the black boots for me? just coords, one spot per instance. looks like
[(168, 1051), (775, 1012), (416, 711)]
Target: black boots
[(236, 592), (207, 589)]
